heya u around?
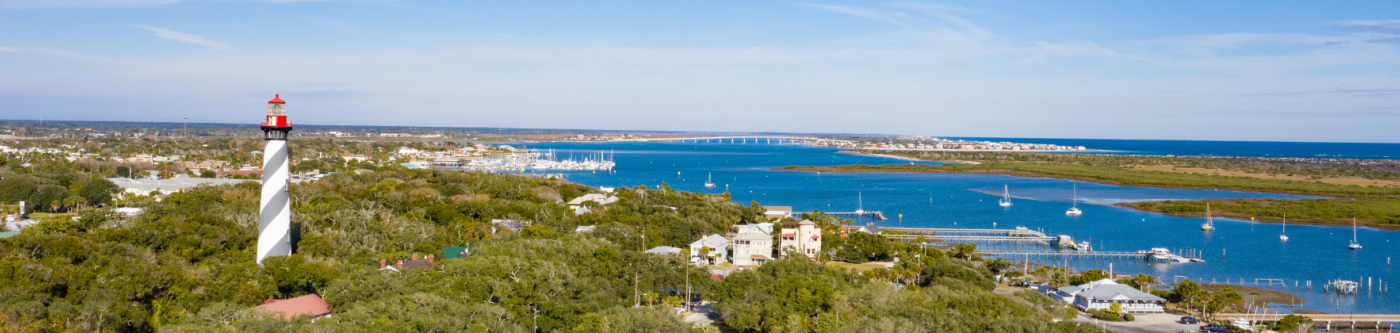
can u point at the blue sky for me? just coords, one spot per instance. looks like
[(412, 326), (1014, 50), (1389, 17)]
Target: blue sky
[(1209, 70)]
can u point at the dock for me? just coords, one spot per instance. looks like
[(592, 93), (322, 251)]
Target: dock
[(1324, 319), (1013, 232), (870, 214), (1087, 255)]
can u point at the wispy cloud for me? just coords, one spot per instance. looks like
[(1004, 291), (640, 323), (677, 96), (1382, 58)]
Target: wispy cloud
[(6, 49), (67, 54), (186, 37), (863, 12)]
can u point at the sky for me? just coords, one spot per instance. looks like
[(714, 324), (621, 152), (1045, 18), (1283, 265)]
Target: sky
[(1188, 70)]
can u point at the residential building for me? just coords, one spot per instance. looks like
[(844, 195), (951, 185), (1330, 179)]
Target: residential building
[(415, 263), (601, 199), (801, 237), (455, 252), (664, 250), (758, 228), (354, 157), (585, 228), (752, 249), (777, 212), (719, 250), (167, 186), (869, 228)]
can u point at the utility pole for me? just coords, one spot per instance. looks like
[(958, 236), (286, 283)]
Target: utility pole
[(187, 127)]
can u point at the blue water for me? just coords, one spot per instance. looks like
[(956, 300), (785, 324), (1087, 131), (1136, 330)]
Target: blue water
[(1226, 148), (1235, 250)]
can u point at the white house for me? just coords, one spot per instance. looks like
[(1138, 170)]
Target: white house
[(1101, 294), (752, 249), (719, 250), (777, 212), (760, 228)]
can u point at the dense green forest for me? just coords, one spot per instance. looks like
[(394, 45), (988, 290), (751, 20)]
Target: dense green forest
[(186, 263)]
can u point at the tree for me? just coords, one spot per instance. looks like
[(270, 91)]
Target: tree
[(1115, 308), (98, 191), (965, 250)]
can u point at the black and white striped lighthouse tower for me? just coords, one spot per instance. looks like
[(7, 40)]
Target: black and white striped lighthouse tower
[(275, 222)]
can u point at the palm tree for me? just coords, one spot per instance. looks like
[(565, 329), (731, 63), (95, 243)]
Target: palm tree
[(965, 250)]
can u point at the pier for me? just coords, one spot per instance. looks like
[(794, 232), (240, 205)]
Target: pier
[(1088, 255), (1013, 232), (1320, 319), (874, 215)]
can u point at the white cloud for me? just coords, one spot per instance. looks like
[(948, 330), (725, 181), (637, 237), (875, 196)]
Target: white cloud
[(186, 37), (21, 4), (6, 49)]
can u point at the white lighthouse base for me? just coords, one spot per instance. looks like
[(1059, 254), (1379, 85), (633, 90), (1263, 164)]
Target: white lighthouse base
[(275, 222)]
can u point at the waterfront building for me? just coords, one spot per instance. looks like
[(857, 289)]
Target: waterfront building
[(777, 212), (1101, 294), (801, 237)]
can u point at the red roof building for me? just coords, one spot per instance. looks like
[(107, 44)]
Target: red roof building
[(309, 305)]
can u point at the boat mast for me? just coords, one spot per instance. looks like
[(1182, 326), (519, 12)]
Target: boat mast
[(1075, 191)]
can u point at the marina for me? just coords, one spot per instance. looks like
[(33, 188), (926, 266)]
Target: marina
[(961, 205)]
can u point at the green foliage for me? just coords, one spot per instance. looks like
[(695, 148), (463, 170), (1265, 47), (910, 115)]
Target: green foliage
[(295, 276), (1289, 323), (1106, 315), (1129, 317), (1088, 276), (643, 319)]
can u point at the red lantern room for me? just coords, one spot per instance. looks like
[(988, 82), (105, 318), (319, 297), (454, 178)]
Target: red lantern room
[(276, 126), (276, 113)]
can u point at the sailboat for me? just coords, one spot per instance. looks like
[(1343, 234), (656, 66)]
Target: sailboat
[(1074, 211), (708, 179), (1354, 244), (1283, 235), (860, 204), (1005, 196), (1210, 224)]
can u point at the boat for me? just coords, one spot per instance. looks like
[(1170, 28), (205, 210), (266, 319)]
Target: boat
[(1354, 245), (860, 204), (1074, 211), (708, 178), (1283, 235), (1210, 224), (1005, 196)]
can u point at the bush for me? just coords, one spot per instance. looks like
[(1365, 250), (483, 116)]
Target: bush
[(1105, 315), (1128, 317)]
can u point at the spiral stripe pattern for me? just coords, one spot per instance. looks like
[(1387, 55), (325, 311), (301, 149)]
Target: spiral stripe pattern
[(275, 221)]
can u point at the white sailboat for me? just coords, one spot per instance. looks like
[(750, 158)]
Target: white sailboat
[(1210, 224), (1074, 211), (1354, 245), (1005, 196), (860, 204), (1283, 235), (708, 178)]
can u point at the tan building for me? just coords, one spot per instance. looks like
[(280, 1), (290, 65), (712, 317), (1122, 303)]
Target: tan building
[(801, 237)]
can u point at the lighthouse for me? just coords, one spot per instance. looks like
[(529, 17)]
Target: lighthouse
[(275, 220)]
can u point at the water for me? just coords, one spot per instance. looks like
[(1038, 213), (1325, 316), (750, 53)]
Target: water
[(1236, 249), (1226, 148)]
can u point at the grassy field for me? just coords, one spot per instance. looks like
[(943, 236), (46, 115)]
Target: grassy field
[(1233, 173)]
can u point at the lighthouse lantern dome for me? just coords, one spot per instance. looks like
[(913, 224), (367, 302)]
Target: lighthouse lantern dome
[(276, 106)]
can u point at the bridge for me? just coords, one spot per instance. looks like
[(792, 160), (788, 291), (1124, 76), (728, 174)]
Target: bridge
[(968, 239), (732, 139), (1328, 319)]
